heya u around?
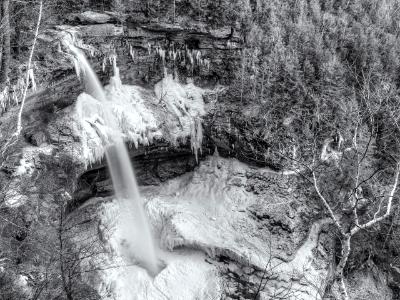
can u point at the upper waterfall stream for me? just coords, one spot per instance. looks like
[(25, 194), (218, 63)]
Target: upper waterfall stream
[(132, 221)]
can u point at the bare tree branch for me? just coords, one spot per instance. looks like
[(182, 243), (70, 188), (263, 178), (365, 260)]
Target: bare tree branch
[(377, 219)]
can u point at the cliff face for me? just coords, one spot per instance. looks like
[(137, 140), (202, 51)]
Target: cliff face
[(230, 223)]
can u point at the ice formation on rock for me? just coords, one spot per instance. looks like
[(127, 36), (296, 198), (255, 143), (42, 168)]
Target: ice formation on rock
[(174, 112), (127, 104), (185, 102), (191, 57)]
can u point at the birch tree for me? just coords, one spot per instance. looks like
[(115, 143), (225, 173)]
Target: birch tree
[(353, 210), (6, 42), (29, 81)]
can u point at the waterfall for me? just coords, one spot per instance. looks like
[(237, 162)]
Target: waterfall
[(133, 225)]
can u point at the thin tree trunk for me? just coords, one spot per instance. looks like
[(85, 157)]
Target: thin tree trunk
[(343, 289), (28, 70), (65, 282), (174, 10), (29, 77), (242, 76), (6, 51), (262, 85), (1, 52), (339, 276), (1, 36)]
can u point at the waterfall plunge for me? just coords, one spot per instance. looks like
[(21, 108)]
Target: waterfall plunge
[(133, 225)]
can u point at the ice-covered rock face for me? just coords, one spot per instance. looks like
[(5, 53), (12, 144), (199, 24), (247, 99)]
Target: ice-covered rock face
[(172, 112), (207, 230)]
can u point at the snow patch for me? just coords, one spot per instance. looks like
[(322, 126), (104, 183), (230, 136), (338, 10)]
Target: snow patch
[(22, 282), (13, 198), (25, 167)]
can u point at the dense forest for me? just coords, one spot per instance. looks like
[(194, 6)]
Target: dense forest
[(308, 90)]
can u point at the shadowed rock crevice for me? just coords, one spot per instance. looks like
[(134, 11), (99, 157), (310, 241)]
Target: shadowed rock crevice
[(153, 165)]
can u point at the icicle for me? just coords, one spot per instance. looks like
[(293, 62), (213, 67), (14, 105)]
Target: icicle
[(207, 63), (16, 100), (31, 77), (199, 135), (193, 139), (103, 66), (115, 81), (190, 57), (4, 97), (77, 68), (214, 159), (196, 137), (294, 152), (132, 52), (162, 55), (174, 55), (198, 56), (136, 143)]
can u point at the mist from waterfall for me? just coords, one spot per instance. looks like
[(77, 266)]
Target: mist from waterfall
[(133, 226)]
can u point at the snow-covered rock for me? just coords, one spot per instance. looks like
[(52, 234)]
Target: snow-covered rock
[(29, 162), (90, 17), (205, 216)]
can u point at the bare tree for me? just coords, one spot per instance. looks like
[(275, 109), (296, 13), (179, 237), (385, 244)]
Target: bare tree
[(348, 220), (29, 81)]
